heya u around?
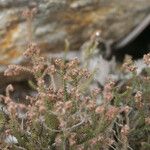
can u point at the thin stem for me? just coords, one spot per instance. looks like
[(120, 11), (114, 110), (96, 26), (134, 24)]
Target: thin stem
[(53, 82)]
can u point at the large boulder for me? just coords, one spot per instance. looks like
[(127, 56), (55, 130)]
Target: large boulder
[(57, 20)]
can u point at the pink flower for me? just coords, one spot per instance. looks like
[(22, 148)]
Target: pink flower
[(125, 130), (99, 109), (112, 112)]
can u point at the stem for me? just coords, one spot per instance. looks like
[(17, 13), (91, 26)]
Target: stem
[(65, 90), (19, 147), (64, 83), (53, 82), (64, 141), (29, 27)]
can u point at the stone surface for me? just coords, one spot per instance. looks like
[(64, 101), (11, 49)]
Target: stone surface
[(56, 20)]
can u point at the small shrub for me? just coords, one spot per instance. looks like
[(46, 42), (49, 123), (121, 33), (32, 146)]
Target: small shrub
[(71, 116)]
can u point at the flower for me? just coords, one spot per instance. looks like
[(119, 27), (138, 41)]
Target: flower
[(99, 109), (147, 120), (146, 58), (138, 96), (125, 130), (112, 112)]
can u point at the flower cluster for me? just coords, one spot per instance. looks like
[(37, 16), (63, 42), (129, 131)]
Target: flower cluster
[(147, 58), (138, 99), (108, 90), (129, 65), (71, 115)]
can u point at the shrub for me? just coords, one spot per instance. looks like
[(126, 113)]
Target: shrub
[(71, 116)]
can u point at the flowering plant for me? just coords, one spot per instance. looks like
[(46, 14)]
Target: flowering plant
[(71, 115)]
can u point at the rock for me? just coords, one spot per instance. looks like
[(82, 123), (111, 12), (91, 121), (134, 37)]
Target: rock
[(136, 43), (57, 20)]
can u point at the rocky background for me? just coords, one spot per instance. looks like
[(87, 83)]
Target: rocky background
[(57, 20)]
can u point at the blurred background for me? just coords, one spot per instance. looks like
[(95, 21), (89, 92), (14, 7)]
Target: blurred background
[(124, 27)]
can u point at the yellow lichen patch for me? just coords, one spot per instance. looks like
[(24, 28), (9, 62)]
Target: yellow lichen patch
[(3, 62), (7, 52), (9, 57), (8, 38), (13, 53)]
